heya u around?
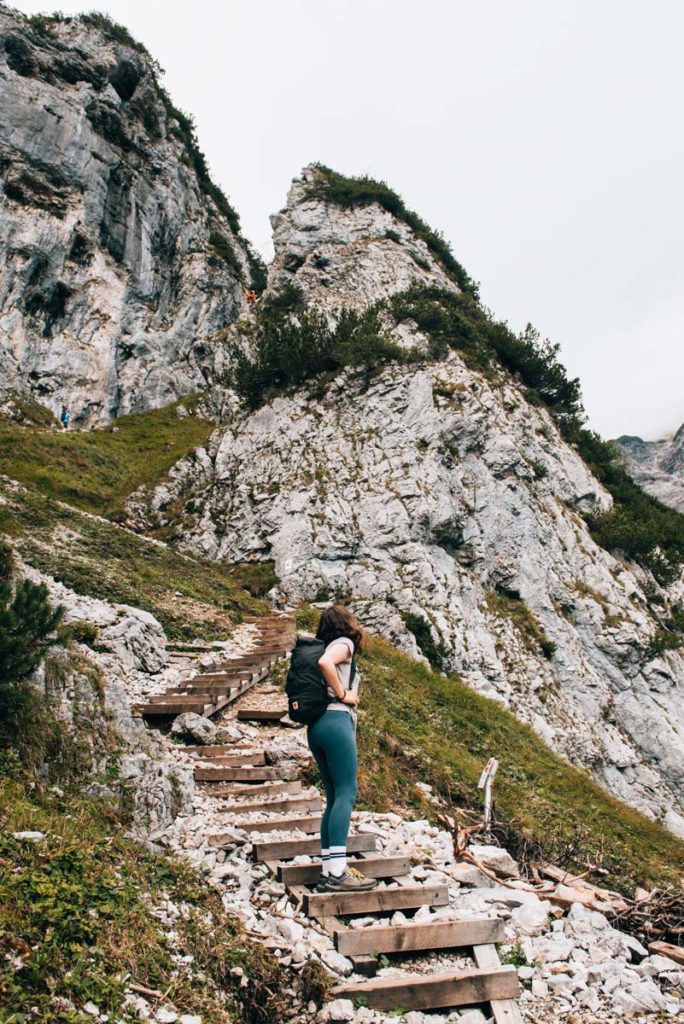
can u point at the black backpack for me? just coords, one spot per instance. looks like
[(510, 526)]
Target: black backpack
[(306, 689)]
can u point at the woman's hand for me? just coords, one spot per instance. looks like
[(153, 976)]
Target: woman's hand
[(351, 698)]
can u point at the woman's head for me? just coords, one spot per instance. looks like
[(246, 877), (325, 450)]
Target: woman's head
[(338, 621)]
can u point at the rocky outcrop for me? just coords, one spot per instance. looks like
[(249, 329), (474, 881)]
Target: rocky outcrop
[(658, 466), (432, 492), (119, 258)]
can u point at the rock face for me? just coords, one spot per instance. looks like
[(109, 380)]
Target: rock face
[(658, 466), (119, 258), (431, 490)]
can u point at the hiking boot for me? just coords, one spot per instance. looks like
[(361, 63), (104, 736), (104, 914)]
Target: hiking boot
[(350, 881)]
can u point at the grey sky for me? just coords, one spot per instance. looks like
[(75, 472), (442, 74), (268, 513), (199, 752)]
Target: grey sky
[(542, 137)]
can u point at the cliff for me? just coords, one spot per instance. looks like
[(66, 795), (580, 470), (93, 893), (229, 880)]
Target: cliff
[(445, 505), (658, 466), (119, 257)]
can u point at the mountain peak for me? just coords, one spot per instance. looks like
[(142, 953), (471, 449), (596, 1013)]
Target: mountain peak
[(351, 241)]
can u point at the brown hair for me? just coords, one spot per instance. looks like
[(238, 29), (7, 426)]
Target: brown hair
[(337, 621)]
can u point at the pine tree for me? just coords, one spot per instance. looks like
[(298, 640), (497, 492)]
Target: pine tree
[(27, 623)]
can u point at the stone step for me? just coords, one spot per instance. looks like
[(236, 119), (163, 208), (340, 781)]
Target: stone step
[(433, 991), (411, 937)]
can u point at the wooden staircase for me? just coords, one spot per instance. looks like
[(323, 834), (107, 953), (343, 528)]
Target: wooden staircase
[(206, 693), (252, 783)]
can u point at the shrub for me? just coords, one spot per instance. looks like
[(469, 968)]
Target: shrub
[(362, 191), (509, 604), (670, 635), (224, 250), (420, 627), (111, 29), (290, 349)]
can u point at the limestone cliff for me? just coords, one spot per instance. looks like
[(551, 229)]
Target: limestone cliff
[(119, 257), (434, 492), (658, 466)]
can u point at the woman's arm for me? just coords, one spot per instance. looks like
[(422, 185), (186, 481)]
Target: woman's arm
[(328, 663)]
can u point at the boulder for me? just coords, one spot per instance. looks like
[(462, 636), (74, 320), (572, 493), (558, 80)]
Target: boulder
[(200, 729)]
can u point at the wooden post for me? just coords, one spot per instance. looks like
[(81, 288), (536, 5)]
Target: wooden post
[(487, 783)]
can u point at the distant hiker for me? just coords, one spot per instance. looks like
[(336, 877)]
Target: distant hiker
[(323, 692), (65, 417), (250, 296)]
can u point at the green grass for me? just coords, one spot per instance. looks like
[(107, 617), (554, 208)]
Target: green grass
[(76, 923), (419, 726), (96, 470), (190, 597)]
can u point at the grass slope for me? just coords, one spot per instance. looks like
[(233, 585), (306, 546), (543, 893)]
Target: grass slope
[(78, 923), (419, 726), (96, 470), (189, 596)]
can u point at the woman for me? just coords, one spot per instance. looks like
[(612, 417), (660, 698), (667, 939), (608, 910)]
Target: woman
[(332, 741)]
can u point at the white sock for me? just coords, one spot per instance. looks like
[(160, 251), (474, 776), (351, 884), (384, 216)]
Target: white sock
[(337, 864), (325, 862)]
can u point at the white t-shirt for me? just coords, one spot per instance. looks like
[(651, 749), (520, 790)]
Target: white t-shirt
[(343, 673)]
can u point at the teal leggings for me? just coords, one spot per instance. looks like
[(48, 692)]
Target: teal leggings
[(333, 744)]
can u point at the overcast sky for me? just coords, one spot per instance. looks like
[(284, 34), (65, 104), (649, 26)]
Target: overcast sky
[(542, 137)]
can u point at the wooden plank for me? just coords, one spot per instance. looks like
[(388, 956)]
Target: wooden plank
[(308, 823), (675, 953), (239, 774), (288, 848), (376, 901), (304, 804), (170, 710), (216, 749), (408, 937), (235, 760), (179, 698), (261, 714), (255, 790), (504, 1011), (371, 867), (432, 991)]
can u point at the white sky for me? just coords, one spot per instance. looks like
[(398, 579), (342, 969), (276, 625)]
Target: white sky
[(540, 136)]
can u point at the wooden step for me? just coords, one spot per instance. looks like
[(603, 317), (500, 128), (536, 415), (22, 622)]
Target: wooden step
[(400, 897), (432, 991), (261, 714), (306, 823), (179, 698), (410, 937), (302, 804), (268, 789), (371, 867), (215, 749), (505, 1011), (240, 774), (257, 757), (289, 848), (171, 710)]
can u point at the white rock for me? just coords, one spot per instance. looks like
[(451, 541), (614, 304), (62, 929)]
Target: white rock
[(197, 727), (496, 859), (336, 962), (165, 1015), (31, 837), (92, 1009), (337, 1010)]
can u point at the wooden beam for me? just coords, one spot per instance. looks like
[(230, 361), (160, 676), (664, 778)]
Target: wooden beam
[(261, 714), (432, 991), (371, 867), (255, 759), (504, 1011), (239, 774), (309, 823), (255, 790), (304, 804), (377, 900), (288, 848), (675, 953), (408, 937)]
